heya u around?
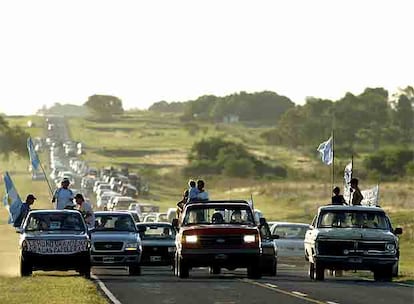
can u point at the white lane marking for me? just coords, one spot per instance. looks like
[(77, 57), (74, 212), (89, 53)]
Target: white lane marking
[(331, 302), (396, 283), (271, 285), (299, 293), (109, 294)]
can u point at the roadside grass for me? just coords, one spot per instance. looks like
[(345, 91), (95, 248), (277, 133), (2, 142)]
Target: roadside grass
[(51, 289), (56, 287)]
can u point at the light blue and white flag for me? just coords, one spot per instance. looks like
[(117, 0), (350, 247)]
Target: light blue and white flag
[(11, 200), (326, 151), (34, 159), (348, 174)]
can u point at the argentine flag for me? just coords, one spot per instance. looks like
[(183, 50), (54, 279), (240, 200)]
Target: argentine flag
[(34, 159), (11, 200), (326, 151)]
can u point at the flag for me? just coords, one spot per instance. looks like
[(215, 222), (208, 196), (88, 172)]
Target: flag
[(348, 173), (34, 159), (371, 196), (326, 151), (11, 200)]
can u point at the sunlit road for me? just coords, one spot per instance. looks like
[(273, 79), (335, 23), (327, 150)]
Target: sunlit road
[(158, 285)]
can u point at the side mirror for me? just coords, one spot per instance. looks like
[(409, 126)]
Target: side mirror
[(174, 223), (141, 228), (262, 221), (398, 231), (20, 230)]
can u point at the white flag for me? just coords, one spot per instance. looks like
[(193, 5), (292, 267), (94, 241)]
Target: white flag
[(371, 196), (348, 173), (326, 151)]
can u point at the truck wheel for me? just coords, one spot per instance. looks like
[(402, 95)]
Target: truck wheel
[(183, 270), (85, 272), (395, 270), (134, 270), (311, 271), (319, 272), (254, 271), (215, 270), (26, 268), (383, 274)]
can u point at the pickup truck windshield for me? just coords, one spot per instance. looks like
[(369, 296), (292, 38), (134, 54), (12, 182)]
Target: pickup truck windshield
[(353, 219), (218, 215), (55, 222), (116, 222)]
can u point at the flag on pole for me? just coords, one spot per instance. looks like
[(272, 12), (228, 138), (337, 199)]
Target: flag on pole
[(11, 200), (34, 159), (371, 196), (348, 173), (326, 151)]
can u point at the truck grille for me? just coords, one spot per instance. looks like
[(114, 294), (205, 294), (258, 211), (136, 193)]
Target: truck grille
[(337, 247), (220, 241), (108, 246)]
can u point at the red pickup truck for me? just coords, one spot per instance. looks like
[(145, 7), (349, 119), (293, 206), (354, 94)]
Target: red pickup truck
[(218, 234)]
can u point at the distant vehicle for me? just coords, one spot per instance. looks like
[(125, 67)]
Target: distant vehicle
[(218, 234), (291, 236), (54, 240), (171, 214), (103, 200), (158, 243), (146, 208), (129, 190), (122, 202), (116, 241), (150, 218), (352, 238), (38, 175), (161, 217)]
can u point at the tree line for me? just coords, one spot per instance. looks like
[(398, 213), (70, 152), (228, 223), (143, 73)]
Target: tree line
[(12, 139)]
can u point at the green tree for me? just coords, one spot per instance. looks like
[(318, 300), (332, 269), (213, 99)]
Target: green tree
[(104, 106), (12, 139)]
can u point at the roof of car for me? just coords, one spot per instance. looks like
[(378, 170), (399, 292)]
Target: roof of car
[(154, 224), (224, 202), (118, 212), (351, 208), (53, 211)]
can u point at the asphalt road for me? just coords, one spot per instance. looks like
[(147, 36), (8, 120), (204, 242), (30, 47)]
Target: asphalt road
[(291, 285)]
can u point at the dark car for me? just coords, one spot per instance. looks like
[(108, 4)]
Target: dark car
[(54, 240), (218, 234), (158, 243), (115, 241)]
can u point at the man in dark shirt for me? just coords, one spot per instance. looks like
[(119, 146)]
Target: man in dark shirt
[(337, 199), (24, 210)]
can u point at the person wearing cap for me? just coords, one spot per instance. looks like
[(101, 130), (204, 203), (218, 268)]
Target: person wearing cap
[(24, 210), (63, 196), (86, 209)]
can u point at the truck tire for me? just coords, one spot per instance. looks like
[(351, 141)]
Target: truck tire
[(319, 272), (254, 271), (395, 270), (183, 271), (134, 270), (215, 270), (383, 274), (311, 271), (26, 269)]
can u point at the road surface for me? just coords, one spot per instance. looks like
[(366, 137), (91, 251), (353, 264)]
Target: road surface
[(291, 285)]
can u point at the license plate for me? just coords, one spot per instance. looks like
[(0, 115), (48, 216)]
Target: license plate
[(155, 258), (108, 259), (355, 260)]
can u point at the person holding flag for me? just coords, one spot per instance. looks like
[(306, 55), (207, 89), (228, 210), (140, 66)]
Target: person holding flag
[(24, 210)]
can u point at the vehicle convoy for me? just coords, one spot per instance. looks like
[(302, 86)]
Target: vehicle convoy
[(218, 234), (352, 238), (116, 241), (54, 240), (158, 243)]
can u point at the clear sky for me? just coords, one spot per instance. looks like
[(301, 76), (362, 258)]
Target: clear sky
[(147, 51)]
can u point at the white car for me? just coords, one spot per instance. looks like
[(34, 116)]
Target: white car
[(122, 202), (105, 197), (291, 238)]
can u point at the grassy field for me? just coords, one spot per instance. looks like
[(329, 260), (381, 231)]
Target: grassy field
[(55, 287)]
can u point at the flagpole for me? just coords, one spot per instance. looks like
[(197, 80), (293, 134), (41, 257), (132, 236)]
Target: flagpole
[(43, 170), (333, 159), (352, 171)]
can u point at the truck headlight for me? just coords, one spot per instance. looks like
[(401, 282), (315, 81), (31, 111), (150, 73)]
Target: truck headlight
[(390, 247), (171, 249), (191, 239), (249, 238), (131, 246)]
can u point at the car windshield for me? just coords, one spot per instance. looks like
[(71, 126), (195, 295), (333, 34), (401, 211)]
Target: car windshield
[(157, 232), (218, 215), (114, 222), (55, 222), (353, 219), (290, 232)]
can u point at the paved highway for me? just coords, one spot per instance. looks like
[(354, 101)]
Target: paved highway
[(158, 285)]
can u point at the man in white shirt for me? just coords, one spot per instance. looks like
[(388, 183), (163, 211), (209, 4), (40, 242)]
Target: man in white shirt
[(86, 209), (202, 194), (63, 196)]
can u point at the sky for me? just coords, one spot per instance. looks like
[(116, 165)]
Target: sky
[(148, 51)]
